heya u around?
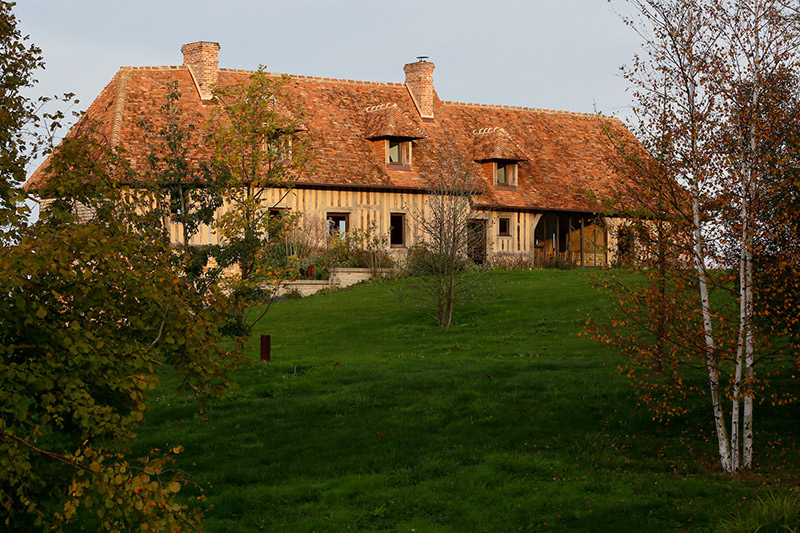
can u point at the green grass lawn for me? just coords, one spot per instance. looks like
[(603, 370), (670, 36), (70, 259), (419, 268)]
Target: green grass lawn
[(370, 417)]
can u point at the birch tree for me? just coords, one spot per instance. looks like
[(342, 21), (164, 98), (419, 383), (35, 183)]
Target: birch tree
[(707, 110), (760, 39)]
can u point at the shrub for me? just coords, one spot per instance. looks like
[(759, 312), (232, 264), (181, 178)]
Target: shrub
[(557, 263), (512, 262), (422, 261), (528, 262), (293, 294), (777, 512), (357, 249)]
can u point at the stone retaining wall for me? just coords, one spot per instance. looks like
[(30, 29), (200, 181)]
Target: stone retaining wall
[(340, 277)]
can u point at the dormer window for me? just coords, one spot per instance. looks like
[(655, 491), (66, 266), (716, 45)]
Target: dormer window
[(280, 148), (499, 155), (398, 152), (392, 133), (505, 173), (277, 147)]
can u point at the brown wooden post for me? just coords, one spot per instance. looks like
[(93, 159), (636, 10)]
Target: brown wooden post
[(557, 244), (265, 347)]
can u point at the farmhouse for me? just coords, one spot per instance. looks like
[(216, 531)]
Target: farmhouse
[(543, 173)]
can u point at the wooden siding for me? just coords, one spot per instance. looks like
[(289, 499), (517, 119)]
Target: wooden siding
[(373, 208)]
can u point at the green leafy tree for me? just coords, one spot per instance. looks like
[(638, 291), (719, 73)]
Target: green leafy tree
[(184, 191), (20, 61), (257, 135), (91, 309)]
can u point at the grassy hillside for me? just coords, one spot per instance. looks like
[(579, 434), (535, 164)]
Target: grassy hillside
[(369, 417)]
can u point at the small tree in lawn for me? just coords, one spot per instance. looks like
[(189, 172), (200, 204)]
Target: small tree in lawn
[(255, 135), (710, 101), (184, 191), (439, 266)]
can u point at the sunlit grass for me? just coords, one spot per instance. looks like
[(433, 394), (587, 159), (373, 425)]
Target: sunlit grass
[(370, 417)]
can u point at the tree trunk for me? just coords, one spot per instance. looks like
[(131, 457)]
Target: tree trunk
[(749, 358), (702, 281), (708, 335), (747, 242), (737, 379)]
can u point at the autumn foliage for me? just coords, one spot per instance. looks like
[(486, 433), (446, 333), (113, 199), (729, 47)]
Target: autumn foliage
[(711, 296), (94, 307)]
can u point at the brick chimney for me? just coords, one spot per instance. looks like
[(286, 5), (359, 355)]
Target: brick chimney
[(419, 80), (202, 59)]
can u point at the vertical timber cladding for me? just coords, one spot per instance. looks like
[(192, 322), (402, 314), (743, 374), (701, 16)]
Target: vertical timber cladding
[(572, 233), (522, 229)]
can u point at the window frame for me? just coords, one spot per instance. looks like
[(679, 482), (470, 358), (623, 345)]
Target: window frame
[(510, 169), (500, 221), (402, 229), (404, 152), (333, 229)]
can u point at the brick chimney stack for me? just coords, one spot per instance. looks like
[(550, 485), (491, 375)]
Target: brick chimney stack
[(202, 58), (419, 80)]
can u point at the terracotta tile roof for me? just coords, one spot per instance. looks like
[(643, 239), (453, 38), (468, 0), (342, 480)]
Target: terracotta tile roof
[(386, 120), (563, 157), (492, 144)]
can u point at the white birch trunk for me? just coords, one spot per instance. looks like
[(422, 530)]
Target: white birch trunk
[(705, 302), (708, 334), (747, 244), (737, 380), (749, 359)]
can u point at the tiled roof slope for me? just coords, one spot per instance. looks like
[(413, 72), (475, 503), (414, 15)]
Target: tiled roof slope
[(386, 121), (563, 157), (492, 144)]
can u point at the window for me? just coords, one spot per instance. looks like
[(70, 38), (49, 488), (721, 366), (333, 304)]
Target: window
[(626, 243), (397, 237), (477, 240), (398, 152), (506, 173), (575, 237), (504, 227), (279, 147), (337, 223), (276, 227)]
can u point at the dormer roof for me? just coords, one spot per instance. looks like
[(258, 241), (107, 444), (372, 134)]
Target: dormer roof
[(388, 121), (495, 144)]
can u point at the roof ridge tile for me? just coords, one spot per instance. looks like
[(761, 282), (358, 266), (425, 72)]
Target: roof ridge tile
[(317, 78), (521, 108), (120, 96), (378, 107), (158, 67)]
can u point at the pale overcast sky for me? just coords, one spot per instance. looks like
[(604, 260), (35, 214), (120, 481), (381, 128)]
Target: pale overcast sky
[(552, 54)]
